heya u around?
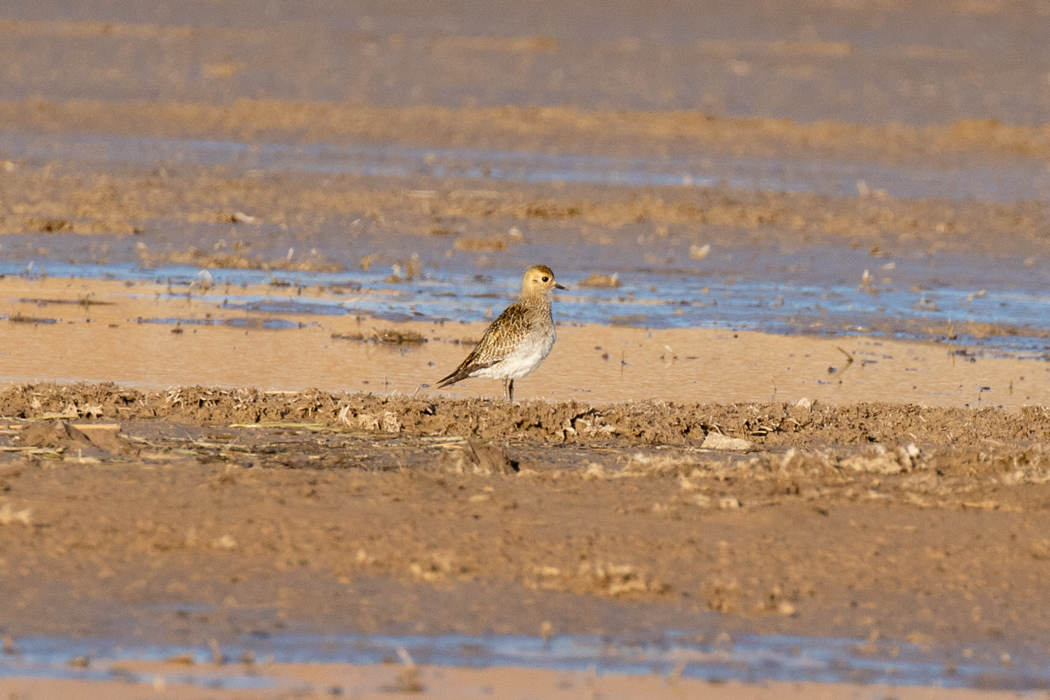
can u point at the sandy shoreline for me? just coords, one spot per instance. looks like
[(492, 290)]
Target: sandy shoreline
[(128, 334)]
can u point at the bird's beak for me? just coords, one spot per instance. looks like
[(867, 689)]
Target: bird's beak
[(560, 286)]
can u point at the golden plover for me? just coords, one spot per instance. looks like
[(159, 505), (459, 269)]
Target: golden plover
[(518, 340)]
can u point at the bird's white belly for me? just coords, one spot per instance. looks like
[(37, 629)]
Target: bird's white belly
[(523, 360)]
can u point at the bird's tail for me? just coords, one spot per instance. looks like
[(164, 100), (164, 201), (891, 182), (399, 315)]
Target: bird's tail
[(456, 376)]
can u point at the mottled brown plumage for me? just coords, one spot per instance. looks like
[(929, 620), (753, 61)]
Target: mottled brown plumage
[(518, 340)]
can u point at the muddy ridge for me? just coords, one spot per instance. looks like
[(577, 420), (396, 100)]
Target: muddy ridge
[(766, 426), (450, 213)]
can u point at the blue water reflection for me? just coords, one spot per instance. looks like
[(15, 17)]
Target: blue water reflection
[(1008, 321), (746, 658)]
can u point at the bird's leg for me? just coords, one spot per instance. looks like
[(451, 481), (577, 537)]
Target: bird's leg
[(508, 389)]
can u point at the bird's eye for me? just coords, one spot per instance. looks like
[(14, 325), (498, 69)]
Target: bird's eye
[(546, 279)]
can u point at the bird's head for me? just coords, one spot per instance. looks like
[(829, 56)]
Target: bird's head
[(539, 279)]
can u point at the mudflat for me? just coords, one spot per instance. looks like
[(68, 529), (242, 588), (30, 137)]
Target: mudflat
[(426, 514), (798, 388)]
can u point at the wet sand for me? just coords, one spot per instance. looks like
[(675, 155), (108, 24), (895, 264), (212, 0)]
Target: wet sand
[(152, 336), (305, 681)]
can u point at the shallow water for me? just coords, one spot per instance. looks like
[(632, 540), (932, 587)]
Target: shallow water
[(650, 299), (747, 658), (815, 291), (1027, 179)]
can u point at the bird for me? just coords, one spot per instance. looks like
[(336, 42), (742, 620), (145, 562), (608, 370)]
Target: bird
[(518, 340)]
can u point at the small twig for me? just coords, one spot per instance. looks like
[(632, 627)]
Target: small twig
[(849, 361)]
